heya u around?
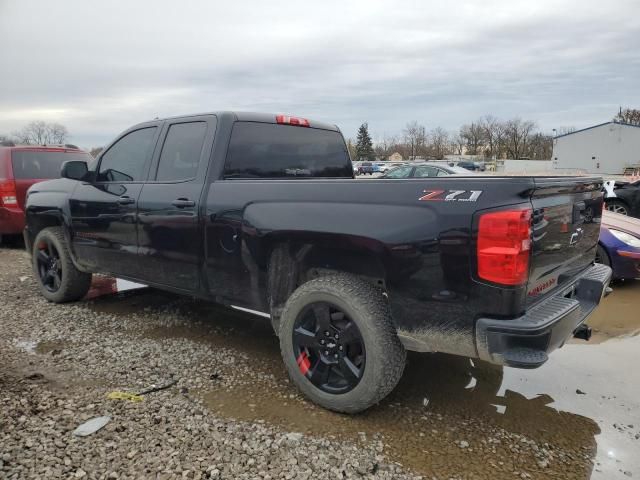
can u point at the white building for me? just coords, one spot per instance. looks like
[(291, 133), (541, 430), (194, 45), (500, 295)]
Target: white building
[(607, 148)]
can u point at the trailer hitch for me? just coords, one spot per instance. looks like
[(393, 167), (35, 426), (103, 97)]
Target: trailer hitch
[(583, 332)]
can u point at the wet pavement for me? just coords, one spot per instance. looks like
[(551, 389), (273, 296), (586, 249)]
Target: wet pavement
[(578, 416)]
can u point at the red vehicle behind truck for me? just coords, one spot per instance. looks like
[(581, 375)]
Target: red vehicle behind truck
[(20, 167)]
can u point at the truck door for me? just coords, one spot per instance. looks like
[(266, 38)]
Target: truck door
[(169, 231), (103, 212)]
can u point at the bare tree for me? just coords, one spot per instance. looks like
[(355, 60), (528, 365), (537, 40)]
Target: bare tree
[(39, 132), (458, 143), (493, 131), (517, 136), (628, 115), (439, 142), (384, 147), (540, 146), (351, 147), (35, 132), (473, 135), (415, 137), (58, 133)]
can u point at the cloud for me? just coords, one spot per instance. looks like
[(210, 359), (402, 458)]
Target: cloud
[(99, 68)]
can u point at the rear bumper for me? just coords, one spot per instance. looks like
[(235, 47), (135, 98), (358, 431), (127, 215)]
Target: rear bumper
[(525, 342), (11, 221)]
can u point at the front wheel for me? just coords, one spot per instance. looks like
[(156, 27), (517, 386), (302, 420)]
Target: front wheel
[(339, 343), (602, 256), (58, 278)]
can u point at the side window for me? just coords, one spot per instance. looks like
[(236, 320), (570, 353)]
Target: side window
[(181, 151), (124, 161), (422, 172), (400, 172), (443, 173)]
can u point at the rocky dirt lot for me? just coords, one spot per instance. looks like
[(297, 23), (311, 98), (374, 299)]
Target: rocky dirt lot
[(232, 412)]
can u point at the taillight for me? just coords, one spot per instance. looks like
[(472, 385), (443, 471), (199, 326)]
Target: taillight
[(287, 120), (504, 246), (8, 195)]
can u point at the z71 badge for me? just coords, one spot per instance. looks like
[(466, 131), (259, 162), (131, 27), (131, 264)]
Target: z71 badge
[(450, 195)]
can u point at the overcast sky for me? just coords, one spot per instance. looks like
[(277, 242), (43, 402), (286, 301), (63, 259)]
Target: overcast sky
[(99, 67)]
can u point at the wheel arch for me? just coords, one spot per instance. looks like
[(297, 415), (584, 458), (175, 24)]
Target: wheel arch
[(294, 261), (605, 250), (38, 220)]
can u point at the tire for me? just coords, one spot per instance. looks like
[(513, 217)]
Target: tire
[(617, 206), (362, 304), (58, 278), (602, 256)]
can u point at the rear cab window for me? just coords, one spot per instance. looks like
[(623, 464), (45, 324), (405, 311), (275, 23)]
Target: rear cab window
[(42, 164), (266, 150)]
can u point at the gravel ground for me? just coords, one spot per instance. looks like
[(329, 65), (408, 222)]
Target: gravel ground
[(232, 412), (58, 363)]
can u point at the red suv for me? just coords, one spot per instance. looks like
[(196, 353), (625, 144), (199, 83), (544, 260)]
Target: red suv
[(20, 167)]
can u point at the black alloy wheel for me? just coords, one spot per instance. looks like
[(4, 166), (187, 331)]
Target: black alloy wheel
[(329, 348), (49, 265)]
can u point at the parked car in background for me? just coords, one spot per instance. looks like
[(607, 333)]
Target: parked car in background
[(467, 165), (624, 199), (426, 169), (383, 167), (365, 168), (20, 167), (619, 245)]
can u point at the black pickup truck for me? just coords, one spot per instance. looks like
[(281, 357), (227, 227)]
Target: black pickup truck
[(262, 213)]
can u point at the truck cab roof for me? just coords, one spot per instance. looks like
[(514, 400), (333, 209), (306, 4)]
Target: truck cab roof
[(249, 117)]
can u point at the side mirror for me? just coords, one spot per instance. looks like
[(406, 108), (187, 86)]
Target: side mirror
[(74, 169)]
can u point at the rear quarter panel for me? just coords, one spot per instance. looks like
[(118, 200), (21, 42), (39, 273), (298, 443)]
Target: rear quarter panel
[(422, 242)]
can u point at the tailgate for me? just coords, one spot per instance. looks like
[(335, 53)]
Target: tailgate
[(566, 227)]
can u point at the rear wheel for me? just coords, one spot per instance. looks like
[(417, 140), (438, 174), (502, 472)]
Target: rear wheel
[(616, 206), (59, 280), (339, 343)]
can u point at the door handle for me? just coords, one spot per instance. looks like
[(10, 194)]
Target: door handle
[(124, 200), (183, 203)]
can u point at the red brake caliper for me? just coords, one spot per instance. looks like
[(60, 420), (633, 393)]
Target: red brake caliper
[(303, 363)]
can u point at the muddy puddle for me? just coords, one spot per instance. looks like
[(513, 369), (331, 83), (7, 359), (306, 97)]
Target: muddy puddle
[(442, 420), (619, 313), (575, 417)]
